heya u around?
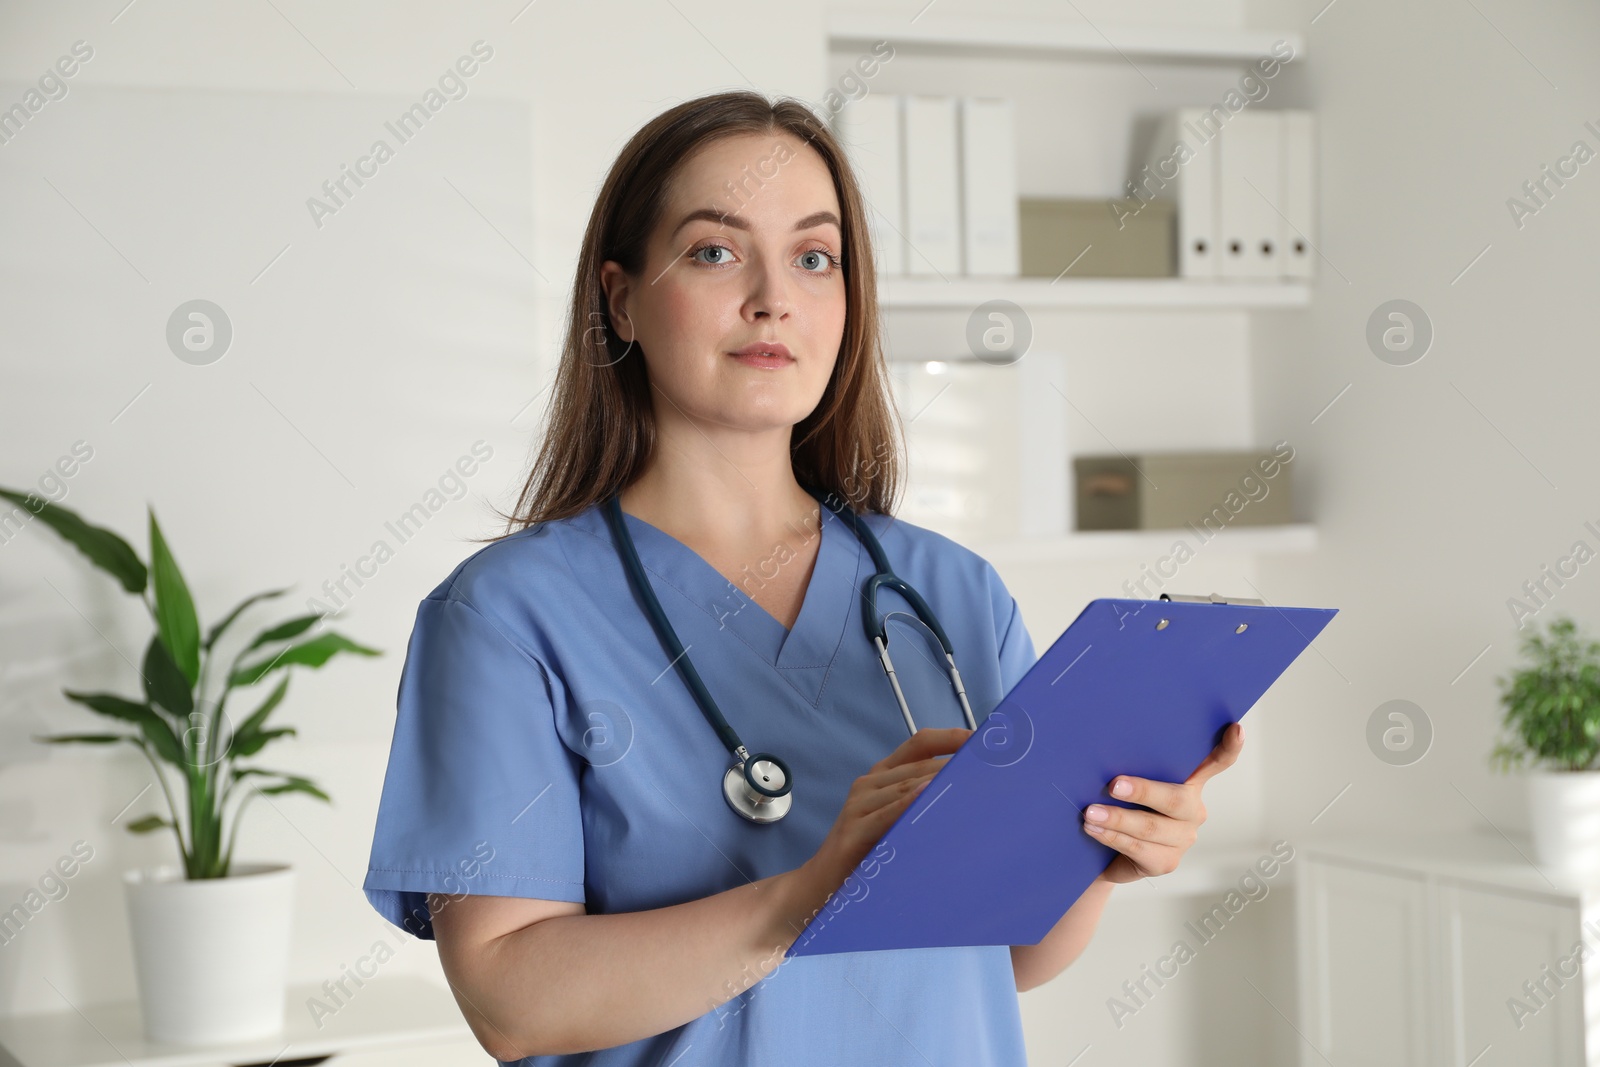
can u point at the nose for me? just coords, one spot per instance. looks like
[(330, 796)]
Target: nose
[(769, 291)]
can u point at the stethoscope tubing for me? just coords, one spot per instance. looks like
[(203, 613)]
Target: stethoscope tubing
[(875, 625), (663, 628)]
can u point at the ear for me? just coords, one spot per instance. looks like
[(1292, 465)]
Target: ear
[(617, 286)]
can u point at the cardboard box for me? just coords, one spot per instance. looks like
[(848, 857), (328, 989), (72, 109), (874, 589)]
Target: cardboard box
[(1125, 238), (1171, 490)]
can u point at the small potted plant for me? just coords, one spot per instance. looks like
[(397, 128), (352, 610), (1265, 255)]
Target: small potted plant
[(1552, 726), (210, 938)]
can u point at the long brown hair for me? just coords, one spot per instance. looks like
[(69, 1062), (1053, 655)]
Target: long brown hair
[(599, 424)]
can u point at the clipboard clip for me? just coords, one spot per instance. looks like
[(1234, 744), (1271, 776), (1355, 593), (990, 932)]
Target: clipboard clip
[(1212, 598)]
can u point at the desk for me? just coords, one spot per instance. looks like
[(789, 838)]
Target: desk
[(387, 1014)]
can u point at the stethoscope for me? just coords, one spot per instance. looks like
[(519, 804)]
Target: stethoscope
[(758, 786)]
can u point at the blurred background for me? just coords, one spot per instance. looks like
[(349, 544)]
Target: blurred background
[(1337, 351)]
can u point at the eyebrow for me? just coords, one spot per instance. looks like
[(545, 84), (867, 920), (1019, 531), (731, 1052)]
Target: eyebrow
[(816, 218)]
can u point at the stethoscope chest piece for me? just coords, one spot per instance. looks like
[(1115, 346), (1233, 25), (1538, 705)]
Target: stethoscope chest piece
[(758, 788)]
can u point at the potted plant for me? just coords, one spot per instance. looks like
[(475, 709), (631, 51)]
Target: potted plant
[(1552, 725), (210, 938)]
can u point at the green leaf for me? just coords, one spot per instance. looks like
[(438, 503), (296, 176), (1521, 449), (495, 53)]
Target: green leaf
[(110, 704), (149, 824), (249, 745), (152, 726), (297, 785), (164, 683), (246, 772), (164, 741), (82, 739), (175, 615), (312, 653), (104, 548), (252, 725), (1552, 703), (219, 628), (284, 630)]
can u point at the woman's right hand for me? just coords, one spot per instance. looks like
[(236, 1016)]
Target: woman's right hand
[(875, 801)]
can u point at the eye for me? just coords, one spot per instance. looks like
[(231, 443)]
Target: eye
[(818, 261), (728, 252)]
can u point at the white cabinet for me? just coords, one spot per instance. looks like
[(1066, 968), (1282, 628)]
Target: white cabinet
[(1492, 943), (1444, 953), (1365, 966)]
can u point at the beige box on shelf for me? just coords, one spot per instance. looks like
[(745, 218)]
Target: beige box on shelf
[(1170, 490), (1125, 238)]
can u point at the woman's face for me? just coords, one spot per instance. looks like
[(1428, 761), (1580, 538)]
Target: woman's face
[(746, 255)]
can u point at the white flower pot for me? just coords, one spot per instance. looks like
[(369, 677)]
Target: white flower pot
[(212, 954), (1564, 808)]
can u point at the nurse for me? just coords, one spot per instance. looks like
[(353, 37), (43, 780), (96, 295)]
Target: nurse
[(553, 812)]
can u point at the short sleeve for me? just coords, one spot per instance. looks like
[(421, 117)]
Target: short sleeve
[(480, 796), (1016, 645)]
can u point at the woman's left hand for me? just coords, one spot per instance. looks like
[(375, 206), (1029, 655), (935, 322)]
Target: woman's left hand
[(1152, 842)]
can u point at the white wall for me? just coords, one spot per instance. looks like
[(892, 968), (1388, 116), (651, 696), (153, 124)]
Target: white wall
[(1439, 487), (361, 369), (1431, 512)]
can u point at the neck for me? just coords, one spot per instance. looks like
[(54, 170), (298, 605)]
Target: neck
[(712, 485)]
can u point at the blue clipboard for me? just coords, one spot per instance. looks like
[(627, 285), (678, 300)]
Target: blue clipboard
[(993, 852)]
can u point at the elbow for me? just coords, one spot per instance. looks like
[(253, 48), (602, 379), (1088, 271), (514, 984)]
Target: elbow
[(513, 1047), (505, 1039), (1027, 982), (509, 1042), (499, 1045), (1026, 968), (505, 1049), (1021, 972)]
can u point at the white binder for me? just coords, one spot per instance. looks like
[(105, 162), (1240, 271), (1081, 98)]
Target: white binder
[(932, 196), (1182, 167), (869, 129), (1297, 229), (988, 147), (1250, 194)]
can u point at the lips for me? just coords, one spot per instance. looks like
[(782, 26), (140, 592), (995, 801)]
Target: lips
[(764, 348), (769, 355)]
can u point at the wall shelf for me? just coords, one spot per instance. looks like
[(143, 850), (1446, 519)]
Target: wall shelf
[(1000, 36), (920, 310), (963, 294), (1146, 544)]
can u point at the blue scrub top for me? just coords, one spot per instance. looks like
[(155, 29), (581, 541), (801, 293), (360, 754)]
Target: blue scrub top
[(544, 747)]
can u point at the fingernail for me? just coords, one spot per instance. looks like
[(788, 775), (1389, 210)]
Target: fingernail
[(1093, 829), (1122, 788), (1096, 813)]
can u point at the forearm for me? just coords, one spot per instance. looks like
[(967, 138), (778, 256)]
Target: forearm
[(1035, 965), (574, 983)]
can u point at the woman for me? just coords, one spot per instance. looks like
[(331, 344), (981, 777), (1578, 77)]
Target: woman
[(553, 812)]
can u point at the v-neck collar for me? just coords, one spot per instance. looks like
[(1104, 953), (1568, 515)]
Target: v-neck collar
[(804, 655)]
